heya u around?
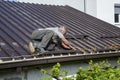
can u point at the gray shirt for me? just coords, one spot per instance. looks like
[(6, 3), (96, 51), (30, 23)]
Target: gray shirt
[(55, 30)]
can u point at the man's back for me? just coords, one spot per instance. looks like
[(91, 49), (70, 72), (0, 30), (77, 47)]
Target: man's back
[(55, 30)]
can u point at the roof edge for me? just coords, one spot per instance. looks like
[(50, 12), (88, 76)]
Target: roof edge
[(44, 60)]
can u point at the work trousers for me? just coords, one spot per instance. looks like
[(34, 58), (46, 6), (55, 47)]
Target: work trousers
[(41, 38)]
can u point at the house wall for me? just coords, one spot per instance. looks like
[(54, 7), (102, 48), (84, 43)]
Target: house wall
[(105, 10), (116, 1), (91, 7)]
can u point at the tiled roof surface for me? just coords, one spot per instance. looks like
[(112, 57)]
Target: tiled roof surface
[(18, 20)]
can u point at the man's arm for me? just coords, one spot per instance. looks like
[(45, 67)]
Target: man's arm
[(66, 44)]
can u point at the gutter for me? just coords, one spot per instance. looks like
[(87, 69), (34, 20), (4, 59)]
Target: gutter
[(58, 58)]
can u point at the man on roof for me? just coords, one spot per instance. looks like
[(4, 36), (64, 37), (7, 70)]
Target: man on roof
[(43, 39)]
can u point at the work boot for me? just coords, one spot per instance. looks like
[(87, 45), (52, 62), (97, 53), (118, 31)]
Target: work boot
[(31, 47), (42, 50)]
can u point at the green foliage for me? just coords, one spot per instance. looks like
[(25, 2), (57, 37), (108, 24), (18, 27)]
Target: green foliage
[(44, 71), (55, 71), (95, 71), (46, 78), (118, 61), (98, 71)]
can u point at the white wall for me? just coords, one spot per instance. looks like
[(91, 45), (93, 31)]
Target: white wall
[(117, 1), (105, 10), (91, 7), (78, 4)]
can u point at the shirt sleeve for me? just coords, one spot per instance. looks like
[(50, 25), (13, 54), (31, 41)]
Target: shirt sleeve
[(60, 35), (56, 30)]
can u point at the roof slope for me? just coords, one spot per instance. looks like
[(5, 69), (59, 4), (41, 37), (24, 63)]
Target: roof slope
[(18, 20)]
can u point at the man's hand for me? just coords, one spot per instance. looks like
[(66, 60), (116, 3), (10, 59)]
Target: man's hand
[(73, 48), (66, 44)]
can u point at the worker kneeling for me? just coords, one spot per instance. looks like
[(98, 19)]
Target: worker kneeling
[(48, 39)]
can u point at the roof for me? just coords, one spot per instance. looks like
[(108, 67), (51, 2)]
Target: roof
[(91, 36)]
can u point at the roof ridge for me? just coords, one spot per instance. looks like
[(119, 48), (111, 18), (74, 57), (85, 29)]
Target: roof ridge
[(32, 3)]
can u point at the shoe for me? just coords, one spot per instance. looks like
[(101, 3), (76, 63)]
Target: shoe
[(42, 50), (31, 47)]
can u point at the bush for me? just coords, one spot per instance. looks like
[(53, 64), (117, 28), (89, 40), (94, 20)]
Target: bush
[(98, 71), (95, 71)]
